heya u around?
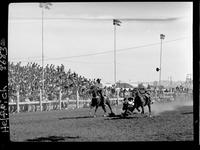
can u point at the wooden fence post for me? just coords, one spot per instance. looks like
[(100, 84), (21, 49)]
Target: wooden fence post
[(77, 99), (67, 102), (18, 108), (60, 97), (117, 96), (40, 100)]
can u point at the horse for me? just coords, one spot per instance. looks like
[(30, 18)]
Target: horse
[(97, 100), (128, 105), (139, 100)]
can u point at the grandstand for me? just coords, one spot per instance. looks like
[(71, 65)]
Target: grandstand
[(27, 81)]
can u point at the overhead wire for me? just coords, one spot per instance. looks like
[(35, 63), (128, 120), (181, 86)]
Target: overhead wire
[(103, 52)]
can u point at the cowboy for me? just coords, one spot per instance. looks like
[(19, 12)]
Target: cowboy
[(99, 87)]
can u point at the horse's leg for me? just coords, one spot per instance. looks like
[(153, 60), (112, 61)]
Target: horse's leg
[(95, 110), (138, 109), (104, 109), (149, 106), (108, 103), (142, 109), (90, 111)]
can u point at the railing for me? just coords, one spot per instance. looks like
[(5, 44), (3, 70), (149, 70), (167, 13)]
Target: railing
[(171, 96), (46, 105), (30, 106)]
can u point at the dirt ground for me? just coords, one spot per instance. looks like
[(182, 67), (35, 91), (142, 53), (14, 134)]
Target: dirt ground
[(170, 122)]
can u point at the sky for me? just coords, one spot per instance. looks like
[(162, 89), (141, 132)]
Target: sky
[(81, 37)]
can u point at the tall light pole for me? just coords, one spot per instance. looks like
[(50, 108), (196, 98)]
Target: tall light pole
[(162, 36), (115, 22), (46, 6)]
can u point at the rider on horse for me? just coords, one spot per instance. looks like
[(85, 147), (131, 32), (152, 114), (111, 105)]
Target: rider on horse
[(99, 87), (99, 98)]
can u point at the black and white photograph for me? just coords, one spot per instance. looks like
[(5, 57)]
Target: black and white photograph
[(100, 71)]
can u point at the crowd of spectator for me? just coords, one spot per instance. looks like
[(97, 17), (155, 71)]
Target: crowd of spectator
[(27, 80)]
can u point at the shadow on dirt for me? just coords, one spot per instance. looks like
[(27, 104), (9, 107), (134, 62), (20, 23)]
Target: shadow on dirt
[(78, 117), (52, 139), (109, 117), (187, 113), (123, 117)]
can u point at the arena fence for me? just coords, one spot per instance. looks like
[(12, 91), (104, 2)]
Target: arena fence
[(46, 105), (172, 96), (59, 104)]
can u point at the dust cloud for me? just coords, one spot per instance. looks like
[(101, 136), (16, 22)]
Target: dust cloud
[(179, 101), (159, 107)]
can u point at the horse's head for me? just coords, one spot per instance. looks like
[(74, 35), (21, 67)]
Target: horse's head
[(138, 93)]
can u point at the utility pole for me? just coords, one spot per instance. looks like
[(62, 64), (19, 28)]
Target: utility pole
[(115, 22), (46, 6), (114, 54), (162, 36)]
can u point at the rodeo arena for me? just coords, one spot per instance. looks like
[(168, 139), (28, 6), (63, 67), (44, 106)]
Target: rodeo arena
[(49, 102), (65, 111)]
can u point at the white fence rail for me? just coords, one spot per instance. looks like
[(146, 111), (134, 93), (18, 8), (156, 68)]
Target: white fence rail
[(16, 107)]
